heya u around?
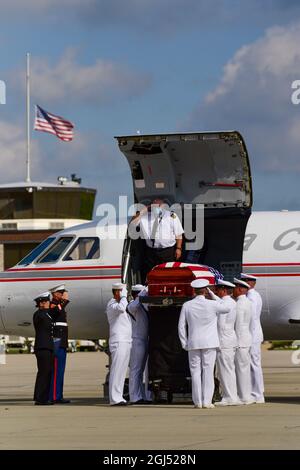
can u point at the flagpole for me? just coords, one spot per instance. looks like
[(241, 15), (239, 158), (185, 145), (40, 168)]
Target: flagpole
[(28, 117)]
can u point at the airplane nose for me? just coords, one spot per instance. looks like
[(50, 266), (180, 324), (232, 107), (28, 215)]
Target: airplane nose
[(16, 309)]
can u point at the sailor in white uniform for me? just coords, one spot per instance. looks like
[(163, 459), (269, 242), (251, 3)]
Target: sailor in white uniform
[(244, 341), (228, 344), (257, 380), (139, 349), (201, 340), (120, 339)]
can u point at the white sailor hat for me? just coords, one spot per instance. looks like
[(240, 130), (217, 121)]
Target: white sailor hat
[(199, 283), (137, 288), (118, 286), (222, 283), (240, 283), (43, 296), (61, 288), (248, 276)]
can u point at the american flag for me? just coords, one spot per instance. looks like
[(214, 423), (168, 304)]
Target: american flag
[(56, 125), (216, 273), (200, 271)]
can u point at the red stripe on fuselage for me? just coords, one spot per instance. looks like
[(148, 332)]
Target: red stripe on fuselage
[(69, 268), (271, 264), (75, 278), (55, 379)]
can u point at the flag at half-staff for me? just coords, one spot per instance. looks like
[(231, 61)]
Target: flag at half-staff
[(48, 122)]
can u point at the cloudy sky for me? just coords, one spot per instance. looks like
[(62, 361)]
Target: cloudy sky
[(114, 67)]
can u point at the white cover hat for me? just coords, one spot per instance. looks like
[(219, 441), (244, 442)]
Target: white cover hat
[(239, 282), (137, 288), (221, 283), (44, 295), (248, 276), (62, 287), (118, 286), (199, 283)]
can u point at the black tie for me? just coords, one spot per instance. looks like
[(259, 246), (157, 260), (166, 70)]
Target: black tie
[(154, 229)]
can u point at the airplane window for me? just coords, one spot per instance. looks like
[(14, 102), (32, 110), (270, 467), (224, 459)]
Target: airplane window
[(36, 252), (84, 248), (56, 250)]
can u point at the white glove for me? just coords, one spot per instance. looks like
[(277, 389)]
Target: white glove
[(212, 294), (143, 292), (124, 292)]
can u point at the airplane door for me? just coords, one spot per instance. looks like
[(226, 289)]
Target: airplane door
[(211, 169)]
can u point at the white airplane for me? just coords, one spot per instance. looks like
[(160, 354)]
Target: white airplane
[(207, 168)]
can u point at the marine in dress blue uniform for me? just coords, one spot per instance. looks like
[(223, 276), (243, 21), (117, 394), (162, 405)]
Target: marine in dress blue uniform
[(43, 349), (60, 334)]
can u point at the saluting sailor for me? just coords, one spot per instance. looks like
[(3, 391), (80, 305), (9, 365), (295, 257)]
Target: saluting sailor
[(228, 343), (43, 349), (58, 313), (139, 349), (198, 334), (244, 341), (120, 340), (257, 380), (162, 231)]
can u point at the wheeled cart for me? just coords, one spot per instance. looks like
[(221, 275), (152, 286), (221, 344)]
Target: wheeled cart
[(169, 286)]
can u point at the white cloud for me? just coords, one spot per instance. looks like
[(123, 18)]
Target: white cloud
[(13, 153), (254, 95), (99, 164), (100, 83), (93, 157)]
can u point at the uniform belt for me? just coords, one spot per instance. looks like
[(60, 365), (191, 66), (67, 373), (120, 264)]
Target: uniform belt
[(60, 323), (161, 249)]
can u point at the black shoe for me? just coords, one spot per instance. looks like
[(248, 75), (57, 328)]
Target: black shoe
[(44, 403), (141, 402), (121, 403), (63, 401)]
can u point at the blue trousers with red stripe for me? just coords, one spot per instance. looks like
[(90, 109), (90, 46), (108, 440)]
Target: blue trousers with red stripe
[(57, 379)]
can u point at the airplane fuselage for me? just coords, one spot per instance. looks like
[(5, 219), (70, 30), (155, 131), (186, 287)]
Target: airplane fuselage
[(271, 252)]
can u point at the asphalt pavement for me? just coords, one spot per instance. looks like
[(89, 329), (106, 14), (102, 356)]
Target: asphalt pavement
[(90, 423)]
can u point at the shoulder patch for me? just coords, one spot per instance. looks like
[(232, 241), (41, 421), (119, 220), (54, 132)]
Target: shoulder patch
[(173, 215)]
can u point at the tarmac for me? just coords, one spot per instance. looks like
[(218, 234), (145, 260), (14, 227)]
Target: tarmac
[(90, 423)]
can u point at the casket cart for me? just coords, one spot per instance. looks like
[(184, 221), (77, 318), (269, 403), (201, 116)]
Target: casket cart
[(169, 286)]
